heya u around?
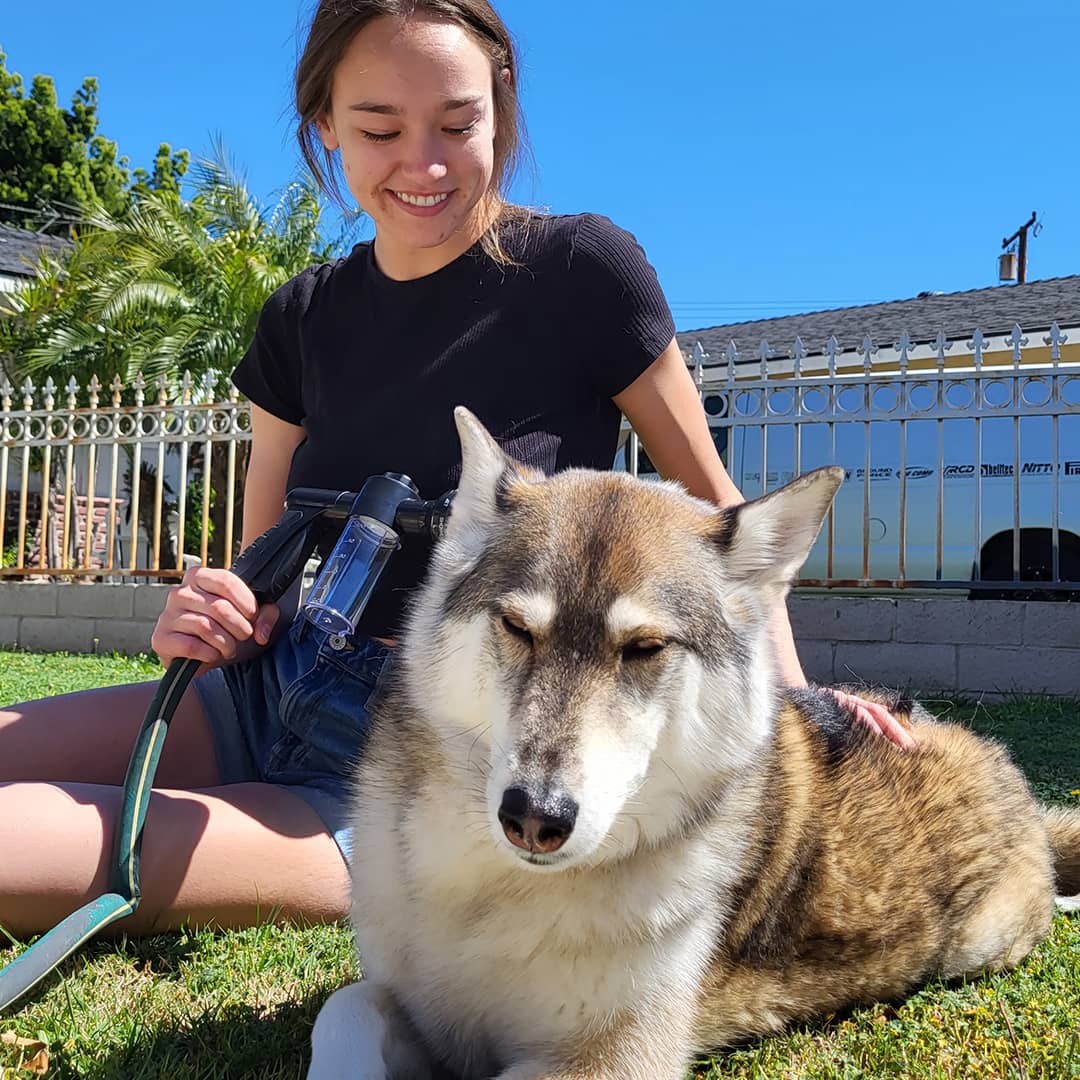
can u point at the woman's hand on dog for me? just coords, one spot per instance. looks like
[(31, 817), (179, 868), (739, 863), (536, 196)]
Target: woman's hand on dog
[(208, 615), (876, 717)]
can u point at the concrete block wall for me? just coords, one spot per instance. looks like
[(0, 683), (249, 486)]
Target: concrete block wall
[(988, 648), (80, 618)]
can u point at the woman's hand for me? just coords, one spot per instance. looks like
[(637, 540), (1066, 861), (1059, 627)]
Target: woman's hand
[(876, 717), (208, 615)]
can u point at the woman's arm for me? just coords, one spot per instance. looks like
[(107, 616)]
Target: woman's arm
[(273, 443), (664, 408)]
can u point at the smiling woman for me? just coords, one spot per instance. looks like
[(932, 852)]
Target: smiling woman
[(422, 108), (420, 163)]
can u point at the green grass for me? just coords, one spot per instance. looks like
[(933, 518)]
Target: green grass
[(238, 1005), (24, 675)]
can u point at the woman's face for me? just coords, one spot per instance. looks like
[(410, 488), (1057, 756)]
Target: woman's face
[(413, 116)]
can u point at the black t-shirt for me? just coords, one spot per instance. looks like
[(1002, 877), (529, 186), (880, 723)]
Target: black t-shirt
[(372, 367)]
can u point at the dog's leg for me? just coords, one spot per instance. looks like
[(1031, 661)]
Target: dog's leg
[(362, 1034), (533, 1070), (654, 1045)]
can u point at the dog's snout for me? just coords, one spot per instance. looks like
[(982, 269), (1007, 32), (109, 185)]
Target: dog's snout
[(540, 825)]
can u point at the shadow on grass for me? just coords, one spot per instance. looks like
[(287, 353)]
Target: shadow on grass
[(234, 1042), (164, 954)]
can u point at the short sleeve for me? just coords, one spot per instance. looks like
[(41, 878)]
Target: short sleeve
[(630, 323), (270, 372)]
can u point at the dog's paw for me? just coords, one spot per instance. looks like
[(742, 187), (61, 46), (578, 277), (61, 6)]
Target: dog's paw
[(346, 1042)]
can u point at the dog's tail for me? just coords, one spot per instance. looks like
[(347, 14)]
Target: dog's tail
[(1063, 830)]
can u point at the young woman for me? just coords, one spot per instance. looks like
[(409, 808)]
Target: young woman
[(546, 327)]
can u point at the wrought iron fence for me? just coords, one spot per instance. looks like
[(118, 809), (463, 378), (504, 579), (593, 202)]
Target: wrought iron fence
[(91, 486), (962, 457)]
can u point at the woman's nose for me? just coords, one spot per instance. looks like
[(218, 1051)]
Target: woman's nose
[(423, 159)]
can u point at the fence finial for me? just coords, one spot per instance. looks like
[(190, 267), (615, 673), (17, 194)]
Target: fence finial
[(699, 356), (977, 344), (732, 356), (765, 352), (830, 349), (903, 347), (1055, 339), (1017, 340), (941, 346), (798, 355), (867, 350)]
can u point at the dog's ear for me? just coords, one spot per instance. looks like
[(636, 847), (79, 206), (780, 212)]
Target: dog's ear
[(487, 479), (767, 540)]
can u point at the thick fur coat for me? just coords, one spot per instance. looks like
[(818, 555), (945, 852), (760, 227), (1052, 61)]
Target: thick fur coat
[(593, 838)]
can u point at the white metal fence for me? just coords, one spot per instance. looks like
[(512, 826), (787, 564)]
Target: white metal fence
[(962, 458), (93, 487)]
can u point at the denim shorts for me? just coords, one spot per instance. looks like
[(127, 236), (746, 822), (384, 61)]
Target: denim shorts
[(298, 716)]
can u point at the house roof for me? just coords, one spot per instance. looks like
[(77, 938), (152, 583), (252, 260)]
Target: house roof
[(19, 249), (1034, 306)]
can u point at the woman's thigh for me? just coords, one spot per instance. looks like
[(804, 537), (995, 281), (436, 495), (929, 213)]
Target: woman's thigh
[(86, 737), (228, 856)]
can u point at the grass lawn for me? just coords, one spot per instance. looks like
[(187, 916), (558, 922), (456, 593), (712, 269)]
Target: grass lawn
[(240, 1005)]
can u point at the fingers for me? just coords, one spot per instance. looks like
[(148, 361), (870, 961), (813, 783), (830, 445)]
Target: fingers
[(265, 622), (877, 718), (206, 617)]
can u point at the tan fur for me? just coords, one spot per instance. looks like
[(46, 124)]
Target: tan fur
[(1063, 827), (933, 862)]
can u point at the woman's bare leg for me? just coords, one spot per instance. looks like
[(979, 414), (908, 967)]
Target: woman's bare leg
[(87, 737), (225, 855), (228, 856)]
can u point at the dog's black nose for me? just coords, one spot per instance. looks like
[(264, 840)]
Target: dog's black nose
[(541, 825)]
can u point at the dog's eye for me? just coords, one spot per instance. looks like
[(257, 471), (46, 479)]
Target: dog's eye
[(643, 648), (512, 625)]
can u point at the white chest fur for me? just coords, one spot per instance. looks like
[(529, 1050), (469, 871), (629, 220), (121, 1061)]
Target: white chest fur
[(482, 950)]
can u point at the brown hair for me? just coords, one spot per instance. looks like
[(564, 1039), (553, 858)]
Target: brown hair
[(333, 27)]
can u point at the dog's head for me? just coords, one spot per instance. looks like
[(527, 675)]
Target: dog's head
[(597, 647)]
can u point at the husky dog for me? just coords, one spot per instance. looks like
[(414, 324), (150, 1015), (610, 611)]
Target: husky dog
[(594, 837)]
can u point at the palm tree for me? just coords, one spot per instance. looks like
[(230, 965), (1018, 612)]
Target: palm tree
[(176, 285)]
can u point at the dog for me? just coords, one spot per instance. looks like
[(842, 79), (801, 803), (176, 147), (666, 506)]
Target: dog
[(594, 838)]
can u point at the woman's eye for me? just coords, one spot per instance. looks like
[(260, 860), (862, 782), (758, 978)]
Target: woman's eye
[(516, 629), (461, 130), (643, 648), (379, 136)]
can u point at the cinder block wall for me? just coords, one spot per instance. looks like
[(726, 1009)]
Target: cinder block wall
[(82, 618), (988, 648), (945, 645)]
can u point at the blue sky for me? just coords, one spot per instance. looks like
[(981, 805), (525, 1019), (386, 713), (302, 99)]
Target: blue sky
[(771, 157)]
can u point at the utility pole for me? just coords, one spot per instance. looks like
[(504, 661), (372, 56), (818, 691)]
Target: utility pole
[(1021, 236)]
